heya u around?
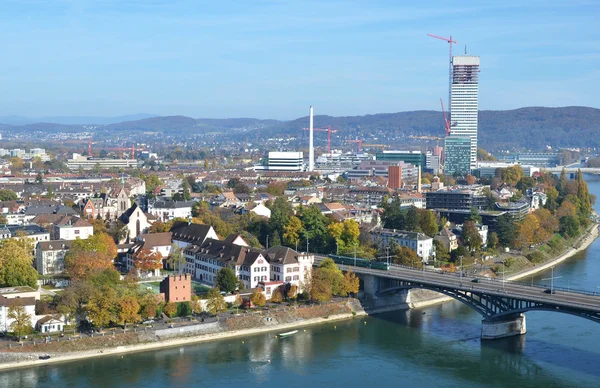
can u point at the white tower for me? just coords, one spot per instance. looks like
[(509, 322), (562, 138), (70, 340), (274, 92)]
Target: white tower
[(464, 106), (311, 148)]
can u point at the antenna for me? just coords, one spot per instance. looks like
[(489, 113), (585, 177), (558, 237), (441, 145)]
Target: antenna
[(465, 49)]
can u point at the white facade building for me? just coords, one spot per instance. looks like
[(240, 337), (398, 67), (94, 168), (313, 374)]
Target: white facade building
[(285, 161), (418, 242), (464, 104), (167, 210)]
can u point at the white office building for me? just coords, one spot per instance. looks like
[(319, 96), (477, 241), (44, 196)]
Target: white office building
[(464, 104), (283, 161)]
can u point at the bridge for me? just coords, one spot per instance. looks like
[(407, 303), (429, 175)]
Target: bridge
[(502, 304), (572, 170)]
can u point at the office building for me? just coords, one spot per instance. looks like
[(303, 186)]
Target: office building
[(455, 200), (395, 177), (416, 158), (283, 161), (464, 101), (457, 155)]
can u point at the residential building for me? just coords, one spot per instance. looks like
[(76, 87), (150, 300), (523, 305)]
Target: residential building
[(167, 210), (289, 266), (418, 242), (464, 102), (50, 256), (159, 243), (261, 210), (50, 324), (186, 233), (177, 288), (447, 239), (32, 232), (457, 155), (28, 304), (72, 228), (482, 229), (19, 292)]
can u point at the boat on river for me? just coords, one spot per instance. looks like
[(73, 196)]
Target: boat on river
[(288, 333)]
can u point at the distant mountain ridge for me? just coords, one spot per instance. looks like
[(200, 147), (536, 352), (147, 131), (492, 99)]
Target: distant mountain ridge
[(72, 120), (530, 127)]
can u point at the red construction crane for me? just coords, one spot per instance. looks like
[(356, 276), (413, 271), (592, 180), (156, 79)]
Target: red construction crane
[(329, 132), (446, 122), (358, 143), (450, 41)]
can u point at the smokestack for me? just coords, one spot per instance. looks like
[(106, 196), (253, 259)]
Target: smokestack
[(419, 180), (311, 147)]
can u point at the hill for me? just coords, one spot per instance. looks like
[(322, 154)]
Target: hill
[(530, 128)]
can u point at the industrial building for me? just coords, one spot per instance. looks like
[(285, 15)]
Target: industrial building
[(88, 163), (283, 161)]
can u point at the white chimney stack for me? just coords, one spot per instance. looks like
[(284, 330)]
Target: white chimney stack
[(311, 148)]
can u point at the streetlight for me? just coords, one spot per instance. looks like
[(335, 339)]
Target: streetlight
[(387, 250), (355, 254), (461, 269), (552, 281), (337, 247)]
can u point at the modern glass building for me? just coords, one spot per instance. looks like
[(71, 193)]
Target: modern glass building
[(464, 101), (457, 155), (416, 158)]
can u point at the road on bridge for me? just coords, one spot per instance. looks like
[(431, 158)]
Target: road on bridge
[(584, 300)]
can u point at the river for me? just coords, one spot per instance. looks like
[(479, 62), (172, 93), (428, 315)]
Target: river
[(432, 347)]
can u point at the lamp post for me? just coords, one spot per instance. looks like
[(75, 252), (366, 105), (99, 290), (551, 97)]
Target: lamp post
[(387, 250), (552, 281), (461, 269), (337, 248), (355, 255)]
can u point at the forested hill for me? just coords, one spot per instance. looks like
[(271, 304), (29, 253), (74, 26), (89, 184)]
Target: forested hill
[(532, 127)]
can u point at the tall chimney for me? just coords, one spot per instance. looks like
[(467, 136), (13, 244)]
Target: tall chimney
[(419, 180), (311, 147)]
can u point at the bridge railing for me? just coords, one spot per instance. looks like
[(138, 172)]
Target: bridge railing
[(470, 275)]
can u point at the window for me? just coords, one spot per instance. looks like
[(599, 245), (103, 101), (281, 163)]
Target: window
[(288, 278), (296, 269), (288, 270), (296, 277)]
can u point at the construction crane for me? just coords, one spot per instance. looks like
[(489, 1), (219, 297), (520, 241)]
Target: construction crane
[(358, 143), (450, 41), (329, 132)]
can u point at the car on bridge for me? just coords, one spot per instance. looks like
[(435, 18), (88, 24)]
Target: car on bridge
[(550, 291)]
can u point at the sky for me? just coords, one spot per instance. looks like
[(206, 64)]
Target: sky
[(272, 59)]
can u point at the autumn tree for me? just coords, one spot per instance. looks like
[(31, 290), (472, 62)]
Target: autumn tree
[(102, 306), (319, 290), (406, 256), (277, 295), (146, 260), (160, 227), (258, 298), (148, 306), (216, 302), (128, 310), (292, 231), (196, 304), (332, 275), (292, 292), (170, 309), (90, 255), (16, 263), (345, 234), (350, 284), (21, 324), (526, 231), (470, 179)]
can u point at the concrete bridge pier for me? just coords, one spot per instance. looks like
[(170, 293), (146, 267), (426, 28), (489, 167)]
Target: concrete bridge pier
[(506, 326)]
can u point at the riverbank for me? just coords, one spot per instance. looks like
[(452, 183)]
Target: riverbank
[(11, 360)]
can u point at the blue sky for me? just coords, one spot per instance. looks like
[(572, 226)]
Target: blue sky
[(272, 59)]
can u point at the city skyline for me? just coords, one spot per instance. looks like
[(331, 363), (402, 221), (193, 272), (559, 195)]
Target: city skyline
[(272, 59)]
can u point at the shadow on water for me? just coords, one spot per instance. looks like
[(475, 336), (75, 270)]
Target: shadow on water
[(456, 346)]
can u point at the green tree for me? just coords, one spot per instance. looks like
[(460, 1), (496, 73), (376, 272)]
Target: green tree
[(7, 195), (21, 324), (216, 302), (441, 253), (226, 280), (186, 190), (184, 309), (281, 212), (493, 241), (470, 236), (333, 275), (315, 228), (569, 226), (428, 223), (507, 230)]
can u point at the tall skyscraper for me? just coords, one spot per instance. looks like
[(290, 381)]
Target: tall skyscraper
[(464, 103)]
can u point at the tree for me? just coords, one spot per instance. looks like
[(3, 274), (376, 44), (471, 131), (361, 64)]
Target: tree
[(117, 230), (258, 298), (281, 212), (90, 255), (200, 209), (441, 252), (7, 195), (569, 226), (146, 260), (470, 236), (526, 231), (176, 258), (186, 191), (350, 284), (16, 164), (184, 309), (277, 295), (128, 309), (406, 256), (332, 274), (160, 227), (474, 216), (216, 302), (507, 230), (16, 263), (345, 234), (102, 305), (315, 227), (196, 304), (319, 289), (292, 231), (512, 175), (493, 241), (470, 179), (226, 280), (21, 324), (292, 292), (170, 309), (427, 222), (149, 305)]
